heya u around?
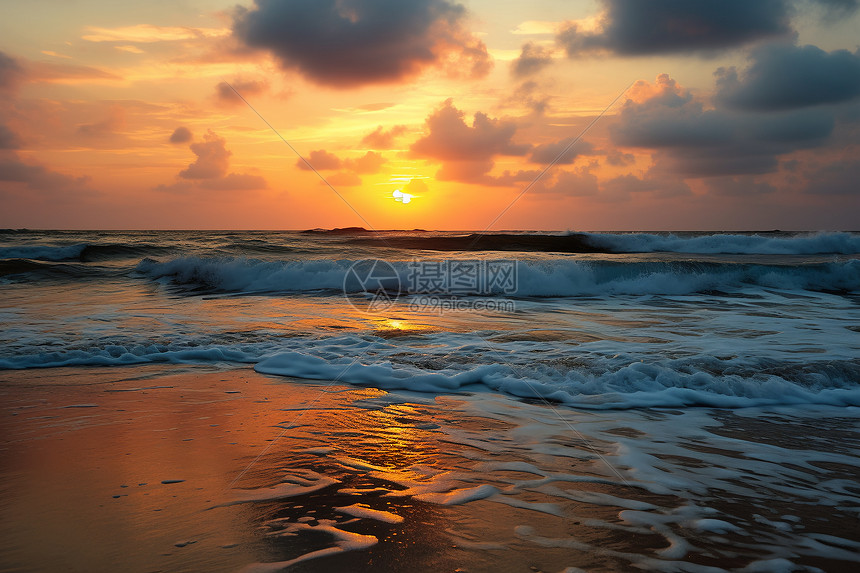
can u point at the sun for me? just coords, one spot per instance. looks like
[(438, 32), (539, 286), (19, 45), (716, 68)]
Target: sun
[(402, 197)]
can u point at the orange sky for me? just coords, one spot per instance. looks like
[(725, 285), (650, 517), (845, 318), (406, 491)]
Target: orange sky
[(745, 117)]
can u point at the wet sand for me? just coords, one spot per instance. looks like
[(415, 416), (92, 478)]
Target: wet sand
[(161, 468)]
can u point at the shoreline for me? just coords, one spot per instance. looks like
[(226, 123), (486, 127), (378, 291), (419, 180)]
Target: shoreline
[(134, 468)]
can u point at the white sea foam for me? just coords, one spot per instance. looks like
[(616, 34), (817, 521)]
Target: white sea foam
[(676, 384)]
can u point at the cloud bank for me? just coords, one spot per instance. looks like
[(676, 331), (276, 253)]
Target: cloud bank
[(349, 43)]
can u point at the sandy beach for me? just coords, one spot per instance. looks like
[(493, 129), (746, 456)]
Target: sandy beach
[(157, 469)]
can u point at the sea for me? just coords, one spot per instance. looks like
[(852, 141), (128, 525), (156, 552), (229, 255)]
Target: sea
[(719, 371)]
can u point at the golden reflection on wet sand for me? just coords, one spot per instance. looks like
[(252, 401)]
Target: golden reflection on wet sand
[(196, 469)]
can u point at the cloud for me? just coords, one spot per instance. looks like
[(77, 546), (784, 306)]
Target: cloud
[(213, 158), (526, 94), (367, 164), (36, 176), (742, 186), (450, 139), (235, 182), (532, 59), (633, 27), (108, 126), (379, 138), (550, 152), (618, 158), (835, 178), (321, 160), (348, 43), (650, 182), (416, 187), (8, 138), (535, 28), (210, 169), (693, 141), (181, 135), (466, 152), (783, 76), (62, 73), (836, 9), (146, 33), (225, 95), (578, 183), (11, 72), (345, 179)]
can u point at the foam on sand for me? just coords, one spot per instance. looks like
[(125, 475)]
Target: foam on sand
[(299, 482), (364, 512), (343, 541)]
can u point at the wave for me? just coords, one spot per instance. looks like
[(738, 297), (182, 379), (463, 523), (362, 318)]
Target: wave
[(522, 242), (717, 243), (44, 252), (807, 244), (617, 382), (16, 270), (117, 355), (678, 383), (553, 278), (81, 252)]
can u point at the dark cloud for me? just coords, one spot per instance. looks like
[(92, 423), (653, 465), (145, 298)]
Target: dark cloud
[(618, 158), (783, 76), (213, 158), (181, 135), (551, 152), (648, 183), (835, 178), (36, 176), (347, 43), (532, 59), (693, 141), (11, 72), (8, 138), (634, 27), (835, 9), (379, 138), (225, 95), (466, 152), (742, 186)]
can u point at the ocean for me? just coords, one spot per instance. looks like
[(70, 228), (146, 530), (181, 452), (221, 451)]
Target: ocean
[(665, 401)]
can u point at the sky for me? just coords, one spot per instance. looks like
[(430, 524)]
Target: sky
[(433, 114)]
